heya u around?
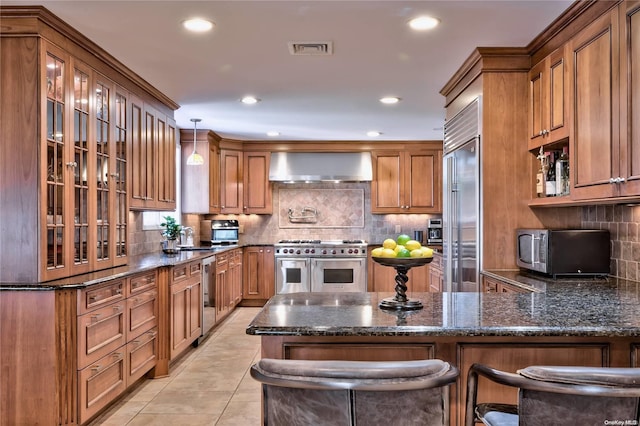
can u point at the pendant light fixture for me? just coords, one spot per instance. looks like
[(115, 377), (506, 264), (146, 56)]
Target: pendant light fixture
[(195, 159)]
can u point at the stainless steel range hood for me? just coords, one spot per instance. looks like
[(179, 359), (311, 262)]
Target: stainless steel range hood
[(320, 166)]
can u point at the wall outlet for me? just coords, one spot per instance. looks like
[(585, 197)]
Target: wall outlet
[(398, 229), (240, 229)]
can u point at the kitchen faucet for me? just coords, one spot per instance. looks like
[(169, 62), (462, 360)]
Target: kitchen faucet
[(186, 236)]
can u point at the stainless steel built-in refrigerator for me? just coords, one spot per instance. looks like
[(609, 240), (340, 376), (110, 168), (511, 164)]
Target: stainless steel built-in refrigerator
[(461, 210)]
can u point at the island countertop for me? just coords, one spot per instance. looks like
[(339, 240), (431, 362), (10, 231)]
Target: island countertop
[(608, 307)]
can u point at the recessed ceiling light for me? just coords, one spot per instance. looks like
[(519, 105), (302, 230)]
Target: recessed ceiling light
[(422, 23), (373, 133), (197, 25), (273, 133), (389, 100), (249, 100)]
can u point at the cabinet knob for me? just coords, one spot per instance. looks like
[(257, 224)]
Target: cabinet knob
[(72, 164)]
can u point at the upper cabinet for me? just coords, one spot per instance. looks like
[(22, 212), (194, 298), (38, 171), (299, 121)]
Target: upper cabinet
[(630, 97), (153, 158), (407, 181), (201, 184), (595, 98), (605, 139), (257, 194), (231, 181), (601, 104), (68, 125), (549, 109)]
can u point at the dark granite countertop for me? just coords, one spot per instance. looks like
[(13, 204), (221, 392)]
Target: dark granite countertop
[(136, 264), (607, 307), (543, 283)]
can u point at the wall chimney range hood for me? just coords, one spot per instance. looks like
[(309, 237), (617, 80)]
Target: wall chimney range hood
[(320, 167)]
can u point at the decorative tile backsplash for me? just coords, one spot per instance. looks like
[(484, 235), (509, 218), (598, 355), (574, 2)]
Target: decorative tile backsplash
[(321, 208), (622, 222)]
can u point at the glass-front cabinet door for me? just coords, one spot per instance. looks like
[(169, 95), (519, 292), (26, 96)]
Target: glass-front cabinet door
[(102, 144), (56, 179), (85, 190), (121, 208), (81, 167)]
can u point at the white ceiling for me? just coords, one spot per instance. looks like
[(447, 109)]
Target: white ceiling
[(305, 97)]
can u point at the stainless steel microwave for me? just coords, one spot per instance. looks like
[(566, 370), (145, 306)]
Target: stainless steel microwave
[(224, 231), (564, 251)]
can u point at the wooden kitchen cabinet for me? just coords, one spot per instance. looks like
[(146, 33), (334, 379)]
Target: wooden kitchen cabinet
[(231, 195), (257, 192), (258, 279), (408, 181), (435, 274), (117, 327), (201, 184), (83, 189), (235, 277), (595, 150), (222, 286), (67, 125), (153, 151), (629, 18), (185, 306), (549, 100)]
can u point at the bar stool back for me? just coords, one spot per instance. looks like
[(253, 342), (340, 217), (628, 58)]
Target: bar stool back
[(301, 392)]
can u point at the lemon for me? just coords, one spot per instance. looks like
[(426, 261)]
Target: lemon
[(387, 252), (402, 239), (403, 253), (377, 252), (398, 247), (427, 252), (412, 245), (389, 243), (417, 253)]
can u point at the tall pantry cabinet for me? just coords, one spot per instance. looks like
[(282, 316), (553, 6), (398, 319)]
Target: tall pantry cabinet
[(67, 131)]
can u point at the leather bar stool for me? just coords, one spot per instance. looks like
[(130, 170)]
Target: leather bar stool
[(553, 395), (300, 392)]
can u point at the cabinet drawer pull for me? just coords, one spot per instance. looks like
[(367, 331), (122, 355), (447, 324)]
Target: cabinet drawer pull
[(92, 298), (72, 164), (152, 333), (118, 356), (96, 368), (95, 318), (115, 175), (117, 308)]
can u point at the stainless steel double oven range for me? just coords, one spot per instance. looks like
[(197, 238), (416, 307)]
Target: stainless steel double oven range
[(321, 266)]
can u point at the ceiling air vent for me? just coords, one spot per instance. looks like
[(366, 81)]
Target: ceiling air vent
[(311, 48)]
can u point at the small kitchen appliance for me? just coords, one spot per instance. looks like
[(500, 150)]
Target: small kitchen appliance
[(321, 266), (564, 252), (223, 231), (434, 232)]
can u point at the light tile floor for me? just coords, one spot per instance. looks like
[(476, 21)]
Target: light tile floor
[(210, 385)]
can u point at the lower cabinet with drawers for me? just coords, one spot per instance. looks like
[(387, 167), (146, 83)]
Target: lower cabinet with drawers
[(117, 326)]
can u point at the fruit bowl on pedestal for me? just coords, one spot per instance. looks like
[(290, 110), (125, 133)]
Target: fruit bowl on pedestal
[(402, 266)]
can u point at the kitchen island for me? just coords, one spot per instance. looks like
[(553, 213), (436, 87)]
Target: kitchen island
[(589, 322)]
